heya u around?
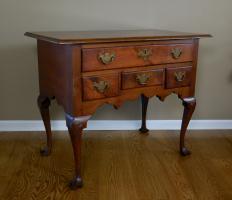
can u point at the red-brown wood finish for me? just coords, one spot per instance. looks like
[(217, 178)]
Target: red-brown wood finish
[(129, 56), (75, 126), (43, 104), (84, 70), (100, 86), (189, 107), (150, 77), (90, 37), (178, 76)]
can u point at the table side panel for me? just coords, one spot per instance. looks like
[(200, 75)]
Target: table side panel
[(56, 70)]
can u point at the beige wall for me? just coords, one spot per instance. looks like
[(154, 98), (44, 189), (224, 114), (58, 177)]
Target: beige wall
[(18, 64)]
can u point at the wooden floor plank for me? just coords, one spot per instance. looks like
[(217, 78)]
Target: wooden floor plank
[(118, 165)]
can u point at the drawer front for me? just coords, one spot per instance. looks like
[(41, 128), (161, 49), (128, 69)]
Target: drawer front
[(178, 76), (121, 57), (142, 78), (102, 86)]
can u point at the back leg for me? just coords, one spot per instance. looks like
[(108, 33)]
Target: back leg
[(43, 104)]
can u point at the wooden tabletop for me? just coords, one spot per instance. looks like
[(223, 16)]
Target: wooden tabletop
[(82, 37)]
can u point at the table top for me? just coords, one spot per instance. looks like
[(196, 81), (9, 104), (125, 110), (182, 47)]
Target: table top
[(85, 37)]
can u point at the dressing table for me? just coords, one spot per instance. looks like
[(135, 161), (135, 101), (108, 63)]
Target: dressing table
[(83, 70)]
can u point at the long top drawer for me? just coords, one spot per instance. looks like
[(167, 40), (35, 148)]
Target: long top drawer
[(95, 59)]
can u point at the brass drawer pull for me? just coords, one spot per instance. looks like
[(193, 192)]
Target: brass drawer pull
[(145, 53), (176, 53), (142, 79), (107, 58), (180, 76), (101, 86)]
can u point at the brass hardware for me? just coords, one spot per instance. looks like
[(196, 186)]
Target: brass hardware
[(145, 53), (107, 58), (101, 86), (180, 76), (176, 53), (142, 78)]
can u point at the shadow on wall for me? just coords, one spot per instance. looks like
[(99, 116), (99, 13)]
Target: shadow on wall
[(230, 76)]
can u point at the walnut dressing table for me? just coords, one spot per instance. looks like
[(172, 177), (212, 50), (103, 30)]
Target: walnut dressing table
[(86, 69)]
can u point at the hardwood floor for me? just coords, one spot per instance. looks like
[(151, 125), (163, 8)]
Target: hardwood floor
[(118, 165)]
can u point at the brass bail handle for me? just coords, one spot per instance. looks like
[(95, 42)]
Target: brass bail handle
[(145, 53), (101, 86), (107, 57), (142, 79), (176, 53), (180, 76)]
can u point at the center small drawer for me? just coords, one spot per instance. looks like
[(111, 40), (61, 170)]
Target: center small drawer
[(135, 79), (100, 86), (95, 59)]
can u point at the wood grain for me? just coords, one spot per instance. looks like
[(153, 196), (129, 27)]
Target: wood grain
[(127, 56), (155, 77), (90, 92), (58, 64), (85, 37), (118, 165), (172, 82)]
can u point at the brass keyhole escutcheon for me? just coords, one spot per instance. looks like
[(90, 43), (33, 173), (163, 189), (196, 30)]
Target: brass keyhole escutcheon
[(145, 53), (142, 79), (180, 76), (107, 58), (176, 53), (101, 86)]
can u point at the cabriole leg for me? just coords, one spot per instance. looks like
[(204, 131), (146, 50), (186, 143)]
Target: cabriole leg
[(144, 101), (75, 126), (189, 107), (43, 104)]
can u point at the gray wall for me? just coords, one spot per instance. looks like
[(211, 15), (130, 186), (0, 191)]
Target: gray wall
[(18, 63)]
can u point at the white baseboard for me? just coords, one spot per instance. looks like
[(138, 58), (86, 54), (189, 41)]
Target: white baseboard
[(59, 125)]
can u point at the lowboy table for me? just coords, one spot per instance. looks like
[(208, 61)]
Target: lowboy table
[(86, 69)]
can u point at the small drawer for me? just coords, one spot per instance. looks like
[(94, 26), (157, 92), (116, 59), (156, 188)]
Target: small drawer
[(102, 86), (144, 78), (132, 56), (178, 76)]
